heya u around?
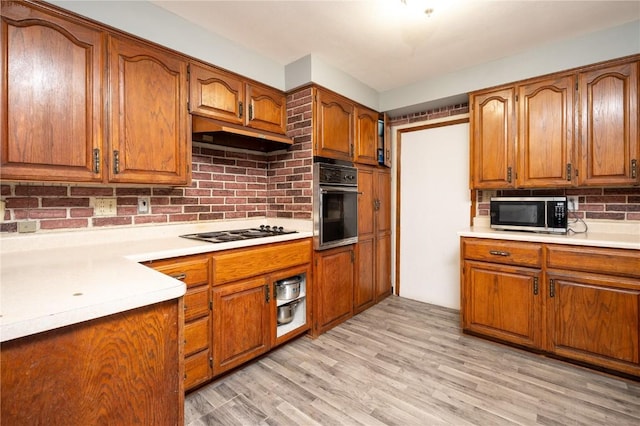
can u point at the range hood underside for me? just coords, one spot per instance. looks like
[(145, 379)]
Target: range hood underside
[(219, 133)]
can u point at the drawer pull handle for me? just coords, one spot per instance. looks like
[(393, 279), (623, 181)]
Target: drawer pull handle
[(552, 288), (499, 253), (180, 276)]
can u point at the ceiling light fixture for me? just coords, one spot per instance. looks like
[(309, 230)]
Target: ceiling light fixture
[(420, 6)]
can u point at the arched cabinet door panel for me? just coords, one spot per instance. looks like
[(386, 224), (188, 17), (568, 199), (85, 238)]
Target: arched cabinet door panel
[(148, 131), (52, 80)]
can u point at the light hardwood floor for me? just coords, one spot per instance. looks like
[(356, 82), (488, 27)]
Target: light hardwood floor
[(404, 362)]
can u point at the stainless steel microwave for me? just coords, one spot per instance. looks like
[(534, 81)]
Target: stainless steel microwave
[(536, 214)]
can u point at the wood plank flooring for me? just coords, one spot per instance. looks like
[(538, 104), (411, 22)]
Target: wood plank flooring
[(404, 362)]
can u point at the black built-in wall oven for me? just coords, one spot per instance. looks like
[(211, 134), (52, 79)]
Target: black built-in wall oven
[(335, 205)]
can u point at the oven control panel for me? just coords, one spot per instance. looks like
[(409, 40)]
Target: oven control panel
[(337, 175)]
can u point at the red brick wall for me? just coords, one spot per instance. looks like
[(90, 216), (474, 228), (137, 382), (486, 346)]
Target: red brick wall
[(226, 185), (431, 114), (593, 203)]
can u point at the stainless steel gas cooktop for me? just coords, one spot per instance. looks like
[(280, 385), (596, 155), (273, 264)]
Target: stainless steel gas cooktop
[(239, 234)]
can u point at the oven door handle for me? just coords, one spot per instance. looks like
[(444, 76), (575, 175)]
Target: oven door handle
[(338, 190)]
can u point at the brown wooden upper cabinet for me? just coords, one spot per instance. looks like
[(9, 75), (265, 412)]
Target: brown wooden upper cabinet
[(148, 123), (610, 144), (52, 72), (573, 128), (228, 97), (60, 103), (333, 125), (366, 137)]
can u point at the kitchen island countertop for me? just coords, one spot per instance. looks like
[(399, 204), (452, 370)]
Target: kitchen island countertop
[(52, 280)]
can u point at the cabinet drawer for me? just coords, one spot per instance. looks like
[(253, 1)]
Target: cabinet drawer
[(593, 259), (196, 335), (191, 271), (197, 369), (500, 251), (196, 303), (244, 263)]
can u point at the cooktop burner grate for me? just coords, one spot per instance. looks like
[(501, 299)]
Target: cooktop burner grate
[(239, 234)]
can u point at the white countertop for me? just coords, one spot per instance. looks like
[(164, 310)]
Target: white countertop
[(51, 280), (600, 234)]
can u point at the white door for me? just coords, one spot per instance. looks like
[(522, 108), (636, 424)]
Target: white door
[(434, 206)]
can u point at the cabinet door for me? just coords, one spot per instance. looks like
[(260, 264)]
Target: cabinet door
[(364, 292), (366, 136), (149, 141), (493, 139), (333, 292), (383, 195), (545, 132), (502, 302), (610, 145), (216, 94), (242, 323), (595, 319), (51, 95), (267, 109), (383, 265), (333, 127), (366, 201)]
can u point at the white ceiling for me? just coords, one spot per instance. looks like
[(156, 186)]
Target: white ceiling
[(382, 45)]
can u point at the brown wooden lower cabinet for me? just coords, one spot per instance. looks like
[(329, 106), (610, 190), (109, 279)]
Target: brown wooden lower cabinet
[(120, 369), (333, 287), (581, 304), (501, 301), (242, 323)]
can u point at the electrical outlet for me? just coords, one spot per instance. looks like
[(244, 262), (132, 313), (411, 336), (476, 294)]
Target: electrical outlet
[(143, 205), (27, 226), (105, 207), (572, 203)]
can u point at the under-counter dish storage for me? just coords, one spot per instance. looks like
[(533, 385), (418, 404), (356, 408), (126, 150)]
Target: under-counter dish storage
[(244, 300), (575, 302)]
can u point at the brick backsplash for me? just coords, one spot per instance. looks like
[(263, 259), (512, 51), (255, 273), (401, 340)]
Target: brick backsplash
[(432, 114), (227, 184), (593, 203)]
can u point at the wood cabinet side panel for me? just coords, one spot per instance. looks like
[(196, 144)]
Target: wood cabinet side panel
[(120, 369)]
